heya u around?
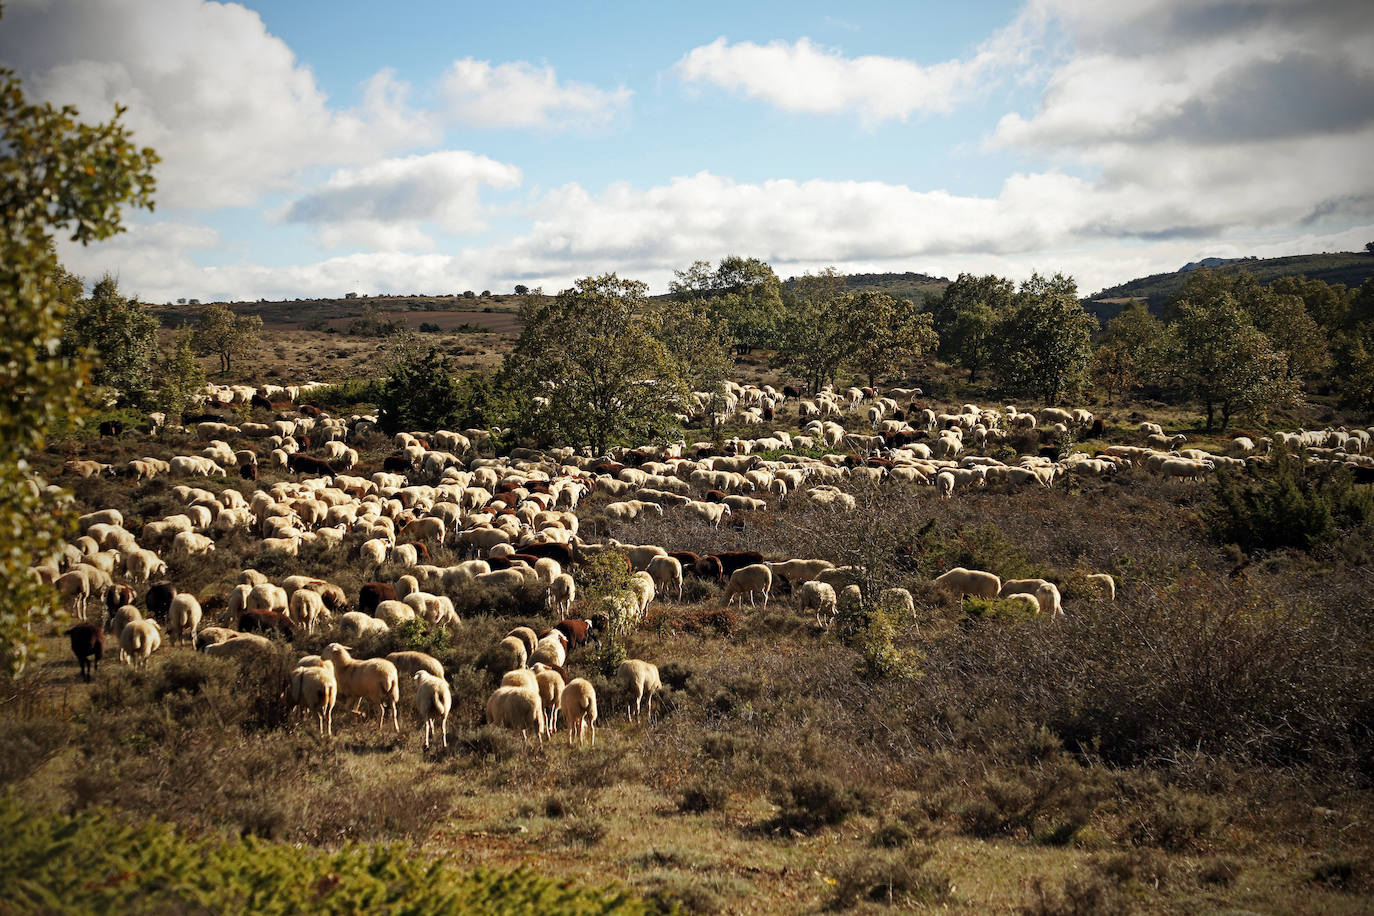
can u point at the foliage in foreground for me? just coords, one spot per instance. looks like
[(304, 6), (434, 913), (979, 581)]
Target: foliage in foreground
[(92, 862)]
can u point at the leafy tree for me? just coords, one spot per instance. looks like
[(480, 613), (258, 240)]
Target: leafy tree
[(55, 174), (1226, 363), (1328, 304), (886, 335), (814, 341), (1131, 352), (120, 336), (521, 289), (180, 376), (1043, 343), (226, 335), (743, 293), (696, 340), (421, 392), (593, 361), (966, 317)]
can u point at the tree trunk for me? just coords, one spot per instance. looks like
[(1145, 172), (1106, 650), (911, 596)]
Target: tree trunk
[(1211, 412)]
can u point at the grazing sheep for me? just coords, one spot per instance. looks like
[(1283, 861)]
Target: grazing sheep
[(88, 645), (578, 704), (358, 624), (210, 636), (963, 582), (511, 654), (527, 636), (821, 597), (1106, 582), (517, 707), (638, 679), (1029, 602), (307, 608), (433, 700), (795, 572), (552, 649), (408, 662), (183, 617), (751, 580), (315, 688), (550, 690), (562, 593), (666, 573), (239, 646), (373, 679), (393, 613), (899, 600), (120, 619), (520, 677), (138, 641), (1046, 593)]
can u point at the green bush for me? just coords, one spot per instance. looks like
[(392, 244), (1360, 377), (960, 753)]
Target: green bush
[(890, 878), (1291, 503), (94, 863), (814, 801)]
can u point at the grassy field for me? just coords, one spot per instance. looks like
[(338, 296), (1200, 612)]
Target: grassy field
[(1201, 744)]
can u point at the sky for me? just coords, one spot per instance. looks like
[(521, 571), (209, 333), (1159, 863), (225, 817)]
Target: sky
[(314, 148)]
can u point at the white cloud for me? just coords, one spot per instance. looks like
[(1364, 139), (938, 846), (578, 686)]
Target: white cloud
[(228, 107), (382, 205), (519, 94), (804, 77)]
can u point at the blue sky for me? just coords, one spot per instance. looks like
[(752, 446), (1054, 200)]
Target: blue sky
[(314, 148)]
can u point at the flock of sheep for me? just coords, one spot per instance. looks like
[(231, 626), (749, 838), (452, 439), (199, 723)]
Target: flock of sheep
[(513, 522)]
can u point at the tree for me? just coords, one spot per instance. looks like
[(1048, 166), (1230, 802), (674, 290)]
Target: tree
[(120, 335), (226, 335), (521, 289), (1131, 351), (1043, 343), (886, 335), (696, 341), (966, 317), (813, 338), (593, 364), (422, 392), (742, 293), (55, 174), (1226, 363), (180, 377), (1328, 304)]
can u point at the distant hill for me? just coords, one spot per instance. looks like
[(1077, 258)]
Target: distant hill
[(911, 286), (1348, 267), (307, 312)]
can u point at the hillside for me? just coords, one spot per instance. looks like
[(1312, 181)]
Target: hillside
[(1348, 267), (319, 313), (913, 286)]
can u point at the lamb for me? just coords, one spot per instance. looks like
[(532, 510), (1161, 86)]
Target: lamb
[(666, 573), (316, 688), (578, 704), (638, 679), (183, 617), (433, 700), (374, 679), (751, 580), (138, 641), (963, 582), (1046, 594), (517, 707), (820, 596)]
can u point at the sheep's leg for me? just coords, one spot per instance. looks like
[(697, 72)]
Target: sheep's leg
[(394, 724), (444, 724)]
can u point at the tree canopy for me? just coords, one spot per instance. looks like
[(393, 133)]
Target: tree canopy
[(119, 334), (225, 334), (594, 368), (56, 174)]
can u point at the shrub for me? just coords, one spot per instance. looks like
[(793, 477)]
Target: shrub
[(1174, 820), (1292, 503), (810, 802), (890, 878), (705, 793)]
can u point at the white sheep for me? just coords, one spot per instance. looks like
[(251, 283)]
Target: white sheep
[(550, 691), (433, 700), (307, 608), (517, 707), (315, 688), (183, 617), (578, 704), (552, 649), (512, 653), (527, 636), (358, 624), (1046, 594), (638, 679), (562, 593), (897, 600), (373, 679), (1106, 582), (139, 640), (1029, 603), (240, 646), (975, 582), (752, 580), (820, 597), (666, 573), (393, 613)]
